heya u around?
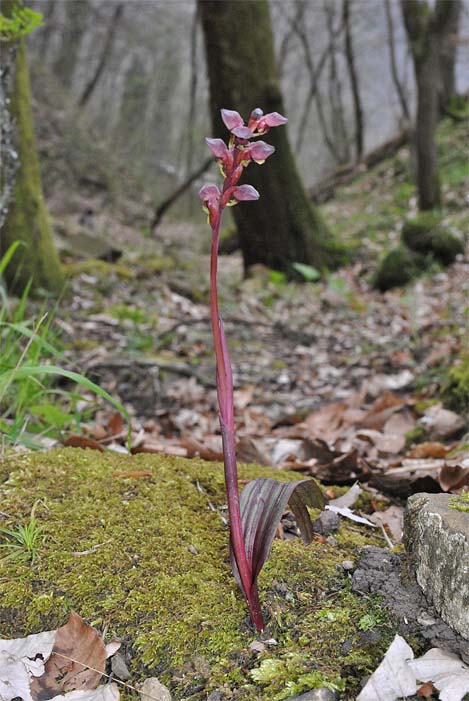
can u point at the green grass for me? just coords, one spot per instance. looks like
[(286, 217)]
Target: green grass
[(30, 352), (21, 544)]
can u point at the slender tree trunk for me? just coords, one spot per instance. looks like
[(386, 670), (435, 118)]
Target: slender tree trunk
[(283, 227), (350, 57), (337, 111), (428, 31), (425, 134), (76, 20), (27, 220), (392, 56), (447, 56), (91, 85)]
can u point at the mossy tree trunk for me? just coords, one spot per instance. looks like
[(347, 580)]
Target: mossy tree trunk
[(27, 220), (283, 227), (427, 31)]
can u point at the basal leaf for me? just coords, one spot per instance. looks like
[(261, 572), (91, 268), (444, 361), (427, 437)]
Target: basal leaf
[(263, 502)]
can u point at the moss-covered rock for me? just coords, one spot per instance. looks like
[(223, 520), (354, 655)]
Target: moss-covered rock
[(138, 544), (397, 268), (456, 390), (427, 236)]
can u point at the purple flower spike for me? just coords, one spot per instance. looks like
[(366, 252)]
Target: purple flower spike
[(209, 193), (217, 147), (260, 151), (242, 132), (245, 192), (254, 517), (231, 119), (274, 119)]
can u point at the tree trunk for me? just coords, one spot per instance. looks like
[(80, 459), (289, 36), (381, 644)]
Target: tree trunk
[(75, 24), (283, 227), (428, 31), (111, 32), (394, 72), (447, 56), (428, 182), (357, 103), (27, 218)]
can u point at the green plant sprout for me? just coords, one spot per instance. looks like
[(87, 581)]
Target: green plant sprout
[(23, 543)]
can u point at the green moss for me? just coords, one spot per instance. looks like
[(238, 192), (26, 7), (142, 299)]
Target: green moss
[(456, 389), (426, 235), (397, 268), (120, 551), (416, 435), (460, 502), (100, 268), (152, 265)]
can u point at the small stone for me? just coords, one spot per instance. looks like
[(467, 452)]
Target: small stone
[(426, 620), (193, 550), (316, 695), (201, 666), (215, 696), (327, 522), (257, 646), (271, 642), (348, 565), (119, 667), (153, 690), (369, 637)]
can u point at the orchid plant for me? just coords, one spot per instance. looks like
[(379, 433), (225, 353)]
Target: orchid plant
[(255, 514)]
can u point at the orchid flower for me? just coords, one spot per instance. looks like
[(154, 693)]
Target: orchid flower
[(254, 515)]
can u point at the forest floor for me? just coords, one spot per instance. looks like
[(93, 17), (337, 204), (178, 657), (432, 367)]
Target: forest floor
[(333, 361), (332, 379)]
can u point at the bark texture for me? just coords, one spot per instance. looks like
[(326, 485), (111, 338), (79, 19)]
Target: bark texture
[(428, 31), (27, 218), (283, 227)]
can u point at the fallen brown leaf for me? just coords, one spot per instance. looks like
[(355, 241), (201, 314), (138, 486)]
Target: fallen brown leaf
[(83, 644), (392, 520), (243, 397), (426, 690), (429, 449), (115, 424), (442, 422), (83, 442), (453, 477), (247, 451)]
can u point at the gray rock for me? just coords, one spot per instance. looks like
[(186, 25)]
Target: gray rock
[(153, 690), (119, 667), (348, 565), (381, 572), (316, 695), (437, 542), (215, 696), (328, 521)]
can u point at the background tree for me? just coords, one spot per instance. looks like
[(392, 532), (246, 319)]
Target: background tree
[(447, 55), (283, 227), (352, 70), (27, 219), (394, 66), (428, 30)]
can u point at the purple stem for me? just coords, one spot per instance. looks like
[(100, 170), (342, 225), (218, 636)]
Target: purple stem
[(226, 416)]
